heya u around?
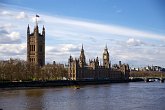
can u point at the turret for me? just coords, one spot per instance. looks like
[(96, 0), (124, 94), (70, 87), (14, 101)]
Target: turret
[(119, 63), (43, 31), (70, 59), (28, 30), (97, 62), (82, 57), (82, 49)]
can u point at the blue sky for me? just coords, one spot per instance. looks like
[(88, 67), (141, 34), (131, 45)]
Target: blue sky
[(134, 30)]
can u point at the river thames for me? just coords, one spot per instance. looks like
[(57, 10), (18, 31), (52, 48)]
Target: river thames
[(119, 96)]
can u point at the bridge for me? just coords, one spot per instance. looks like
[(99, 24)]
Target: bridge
[(147, 79)]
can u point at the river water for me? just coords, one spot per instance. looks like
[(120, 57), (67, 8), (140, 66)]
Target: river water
[(120, 96)]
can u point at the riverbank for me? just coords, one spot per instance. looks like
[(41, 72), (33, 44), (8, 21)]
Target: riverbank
[(56, 83)]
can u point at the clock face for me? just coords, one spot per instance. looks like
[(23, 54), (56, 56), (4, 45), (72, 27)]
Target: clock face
[(105, 57)]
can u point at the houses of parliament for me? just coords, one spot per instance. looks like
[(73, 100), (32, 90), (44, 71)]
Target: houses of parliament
[(78, 69)]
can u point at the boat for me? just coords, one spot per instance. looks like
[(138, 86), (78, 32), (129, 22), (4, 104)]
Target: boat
[(76, 88), (161, 80), (151, 80)]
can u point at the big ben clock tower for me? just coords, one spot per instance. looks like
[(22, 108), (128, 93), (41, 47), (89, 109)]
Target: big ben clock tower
[(106, 63)]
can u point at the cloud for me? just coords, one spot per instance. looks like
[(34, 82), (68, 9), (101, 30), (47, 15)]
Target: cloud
[(60, 53), (70, 48), (7, 26), (12, 49), (138, 56), (95, 29), (134, 42), (9, 37), (64, 48), (14, 36), (2, 31), (88, 28), (22, 15), (16, 15), (6, 13)]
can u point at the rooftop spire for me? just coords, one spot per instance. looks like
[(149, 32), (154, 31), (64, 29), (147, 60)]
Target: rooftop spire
[(28, 29), (43, 27), (106, 49), (82, 47), (28, 26), (106, 46)]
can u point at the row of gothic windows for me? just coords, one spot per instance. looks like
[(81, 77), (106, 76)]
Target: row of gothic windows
[(32, 59), (32, 47)]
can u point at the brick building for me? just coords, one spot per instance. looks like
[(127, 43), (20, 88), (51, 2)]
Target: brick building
[(36, 46)]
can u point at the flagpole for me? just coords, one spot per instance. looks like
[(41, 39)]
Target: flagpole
[(36, 20)]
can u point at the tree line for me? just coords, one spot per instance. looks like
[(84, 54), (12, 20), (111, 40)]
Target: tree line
[(147, 74), (19, 70)]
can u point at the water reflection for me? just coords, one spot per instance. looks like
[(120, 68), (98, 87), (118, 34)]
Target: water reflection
[(34, 99), (128, 96)]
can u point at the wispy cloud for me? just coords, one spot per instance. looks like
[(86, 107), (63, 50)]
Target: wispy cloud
[(6, 13), (134, 42), (22, 15), (102, 28)]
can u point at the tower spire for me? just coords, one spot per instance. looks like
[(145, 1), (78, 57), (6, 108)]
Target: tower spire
[(82, 47), (28, 29), (43, 31), (43, 27), (106, 46), (28, 26)]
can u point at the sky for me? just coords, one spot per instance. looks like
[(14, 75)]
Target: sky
[(134, 30)]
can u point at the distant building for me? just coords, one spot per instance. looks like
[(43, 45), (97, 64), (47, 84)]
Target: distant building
[(36, 46), (150, 69), (12, 61), (78, 69)]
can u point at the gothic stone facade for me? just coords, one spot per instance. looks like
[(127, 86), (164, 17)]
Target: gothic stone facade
[(79, 70), (36, 46)]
